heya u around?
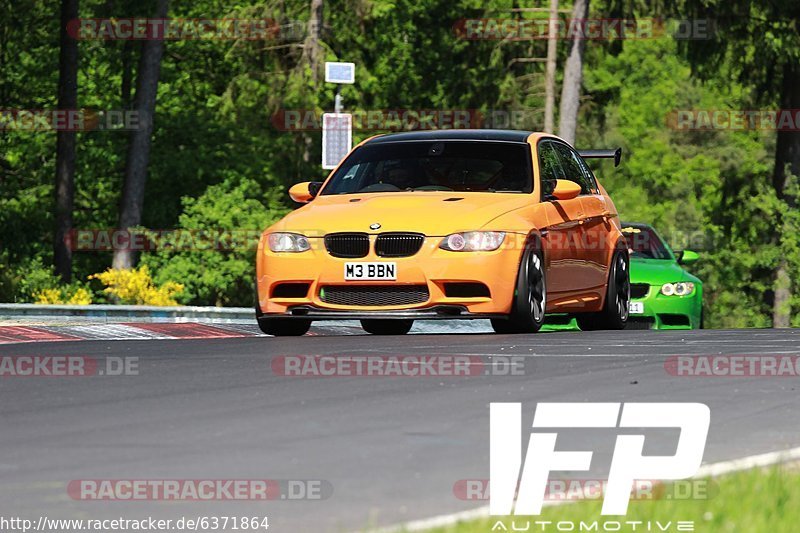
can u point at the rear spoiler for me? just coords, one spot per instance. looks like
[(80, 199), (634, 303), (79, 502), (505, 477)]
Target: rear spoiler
[(604, 154)]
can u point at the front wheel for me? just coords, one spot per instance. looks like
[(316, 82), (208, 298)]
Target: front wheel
[(284, 327), (527, 311), (377, 326), (614, 314)]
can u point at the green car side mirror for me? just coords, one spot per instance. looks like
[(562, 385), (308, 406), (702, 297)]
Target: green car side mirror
[(687, 256)]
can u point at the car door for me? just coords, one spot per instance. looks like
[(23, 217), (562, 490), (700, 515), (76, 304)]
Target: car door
[(594, 231), (561, 236)]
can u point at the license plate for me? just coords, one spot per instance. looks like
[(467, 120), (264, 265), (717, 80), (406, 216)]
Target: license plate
[(637, 308), (370, 271)]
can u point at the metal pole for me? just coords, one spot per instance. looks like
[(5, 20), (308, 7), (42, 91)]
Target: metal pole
[(337, 105)]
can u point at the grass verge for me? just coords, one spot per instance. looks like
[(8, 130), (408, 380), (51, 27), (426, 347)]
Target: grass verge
[(751, 501)]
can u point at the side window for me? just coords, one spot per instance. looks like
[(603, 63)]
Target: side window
[(589, 176), (573, 168), (549, 167)]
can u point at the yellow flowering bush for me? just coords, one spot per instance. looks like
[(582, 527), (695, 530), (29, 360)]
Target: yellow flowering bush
[(80, 297), (49, 296), (135, 286), (57, 296)]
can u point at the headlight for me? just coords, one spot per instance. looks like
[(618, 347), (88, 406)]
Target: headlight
[(473, 241), (288, 242), (677, 289)]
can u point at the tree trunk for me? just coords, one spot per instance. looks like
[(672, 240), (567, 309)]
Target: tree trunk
[(782, 307), (550, 71), (312, 49), (127, 56), (138, 158), (65, 144), (787, 157), (312, 54), (573, 75)]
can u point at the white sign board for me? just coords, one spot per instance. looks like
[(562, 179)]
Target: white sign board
[(340, 72), (337, 138)]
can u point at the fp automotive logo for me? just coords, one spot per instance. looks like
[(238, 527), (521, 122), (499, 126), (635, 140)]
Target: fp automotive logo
[(627, 463)]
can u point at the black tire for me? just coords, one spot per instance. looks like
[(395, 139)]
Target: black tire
[(530, 297), (255, 300), (386, 326), (618, 298), (284, 327)]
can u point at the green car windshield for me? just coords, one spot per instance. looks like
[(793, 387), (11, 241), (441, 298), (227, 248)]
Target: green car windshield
[(462, 166), (644, 243)]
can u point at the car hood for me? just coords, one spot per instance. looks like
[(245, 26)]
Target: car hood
[(431, 213), (658, 271)]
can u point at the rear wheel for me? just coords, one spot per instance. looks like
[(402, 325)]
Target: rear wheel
[(384, 326), (618, 297), (284, 327), (527, 310)]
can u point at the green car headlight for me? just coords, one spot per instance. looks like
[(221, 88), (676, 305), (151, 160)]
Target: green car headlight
[(682, 288)]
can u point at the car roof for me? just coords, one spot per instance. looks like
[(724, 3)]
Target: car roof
[(638, 225), (454, 135)]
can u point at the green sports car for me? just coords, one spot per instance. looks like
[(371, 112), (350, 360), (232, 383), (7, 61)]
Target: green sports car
[(663, 295)]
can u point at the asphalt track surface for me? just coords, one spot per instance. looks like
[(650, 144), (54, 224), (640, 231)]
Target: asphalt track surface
[(390, 448)]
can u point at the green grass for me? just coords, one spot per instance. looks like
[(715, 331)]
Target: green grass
[(752, 501)]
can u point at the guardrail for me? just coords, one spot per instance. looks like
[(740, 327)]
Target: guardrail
[(115, 313)]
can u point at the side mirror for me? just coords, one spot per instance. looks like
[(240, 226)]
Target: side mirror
[(566, 190), (303, 193), (687, 256)]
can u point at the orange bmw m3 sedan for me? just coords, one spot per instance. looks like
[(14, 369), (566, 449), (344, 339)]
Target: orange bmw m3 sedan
[(458, 224)]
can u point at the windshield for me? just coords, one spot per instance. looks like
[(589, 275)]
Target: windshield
[(644, 243), (435, 166)]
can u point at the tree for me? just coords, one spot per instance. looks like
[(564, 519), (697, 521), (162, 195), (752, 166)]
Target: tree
[(65, 144), (760, 41), (132, 203), (573, 75), (312, 54), (787, 166), (312, 48), (550, 68)]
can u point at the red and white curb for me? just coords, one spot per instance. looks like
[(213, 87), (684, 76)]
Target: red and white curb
[(113, 332)]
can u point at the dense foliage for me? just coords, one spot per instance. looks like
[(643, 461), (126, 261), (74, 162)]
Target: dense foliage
[(219, 162)]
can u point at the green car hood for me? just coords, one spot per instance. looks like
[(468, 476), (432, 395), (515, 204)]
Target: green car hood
[(658, 271)]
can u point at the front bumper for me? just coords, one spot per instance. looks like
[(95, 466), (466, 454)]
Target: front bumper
[(437, 312), (667, 312), (431, 267)]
